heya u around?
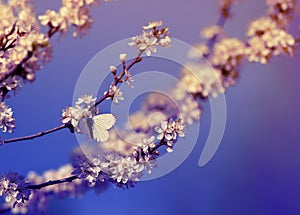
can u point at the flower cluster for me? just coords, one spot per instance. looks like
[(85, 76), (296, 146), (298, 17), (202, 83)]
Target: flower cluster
[(122, 169), (267, 39), (281, 10), (88, 169), (23, 48), (72, 13), (38, 199), (143, 152), (63, 189), (110, 166), (227, 56), (198, 50), (121, 142), (10, 85), (84, 109), (212, 31), (202, 80), (115, 93), (7, 122), (170, 130), (14, 188), (143, 121), (151, 38), (157, 101), (190, 110)]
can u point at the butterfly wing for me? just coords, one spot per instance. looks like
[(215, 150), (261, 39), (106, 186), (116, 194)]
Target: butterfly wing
[(89, 131), (100, 133), (101, 123), (106, 120)]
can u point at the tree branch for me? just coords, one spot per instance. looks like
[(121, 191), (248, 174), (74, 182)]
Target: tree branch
[(49, 183), (68, 125), (221, 22), (157, 146), (117, 81), (33, 136)]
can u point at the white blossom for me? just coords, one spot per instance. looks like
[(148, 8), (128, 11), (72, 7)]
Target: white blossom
[(112, 68), (129, 79), (116, 94), (190, 110), (148, 163), (150, 38), (123, 57), (14, 188), (153, 24), (82, 110), (170, 130), (197, 78), (122, 169), (146, 145), (87, 168), (7, 122)]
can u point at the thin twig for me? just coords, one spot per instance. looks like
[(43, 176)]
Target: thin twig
[(157, 146), (49, 183), (117, 81), (40, 134), (221, 22)]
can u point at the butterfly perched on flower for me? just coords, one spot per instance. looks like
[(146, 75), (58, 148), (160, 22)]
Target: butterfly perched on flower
[(97, 127)]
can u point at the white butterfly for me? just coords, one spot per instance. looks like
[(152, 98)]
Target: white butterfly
[(97, 127)]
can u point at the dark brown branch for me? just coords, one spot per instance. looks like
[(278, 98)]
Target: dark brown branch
[(161, 143), (33, 136), (221, 22), (49, 183), (297, 40)]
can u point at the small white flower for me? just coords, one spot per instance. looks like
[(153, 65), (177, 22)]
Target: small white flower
[(146, 144), (112, 68), (7, 122), (170, 130), (123, 57), (86, 101), (148, 45), (153, 24), (129, 79), (165, 42), (116, 94), (122, 169), (169, 149), (190, 110), (71, 115), (150, 38), (148, 163)]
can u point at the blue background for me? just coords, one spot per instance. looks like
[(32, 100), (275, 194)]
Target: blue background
[(257, 167)]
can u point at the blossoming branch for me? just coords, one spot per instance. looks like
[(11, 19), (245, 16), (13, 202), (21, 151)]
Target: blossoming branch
[(122, 159)]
